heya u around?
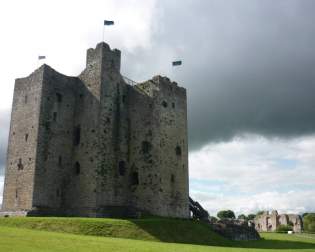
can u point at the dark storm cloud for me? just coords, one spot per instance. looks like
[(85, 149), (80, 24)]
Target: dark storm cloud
[(4, 131), (248, 66)]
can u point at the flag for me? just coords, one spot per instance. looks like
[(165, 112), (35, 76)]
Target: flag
[(177, 63), (108, 22), (41, 57)]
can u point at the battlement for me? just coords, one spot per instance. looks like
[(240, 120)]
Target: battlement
[(161, 84)]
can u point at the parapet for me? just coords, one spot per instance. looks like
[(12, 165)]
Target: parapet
[(102, 53)]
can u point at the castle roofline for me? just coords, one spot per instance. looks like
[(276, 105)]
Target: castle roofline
[(103, 45), (45, 68)]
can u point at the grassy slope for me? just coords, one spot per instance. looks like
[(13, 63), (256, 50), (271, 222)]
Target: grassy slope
[(155, 229), (24, 240)]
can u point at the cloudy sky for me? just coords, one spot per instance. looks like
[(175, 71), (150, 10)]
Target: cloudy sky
[(248, 67)]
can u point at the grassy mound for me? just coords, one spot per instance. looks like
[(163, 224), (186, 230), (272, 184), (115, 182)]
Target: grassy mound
[(154, 229)]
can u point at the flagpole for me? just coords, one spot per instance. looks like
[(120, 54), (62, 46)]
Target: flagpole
[(103, 32), (106, 22)]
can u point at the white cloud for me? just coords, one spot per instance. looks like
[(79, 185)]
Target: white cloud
[(252, 173), (63, 30), (286, 202)]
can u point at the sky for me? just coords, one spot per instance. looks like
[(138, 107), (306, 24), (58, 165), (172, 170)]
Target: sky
[(248, 71)]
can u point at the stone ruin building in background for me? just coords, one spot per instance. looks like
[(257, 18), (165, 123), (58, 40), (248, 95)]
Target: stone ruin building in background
[(270, 222), (97, 144)]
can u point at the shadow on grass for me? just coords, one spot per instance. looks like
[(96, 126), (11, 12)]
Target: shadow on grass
[(192, 232)]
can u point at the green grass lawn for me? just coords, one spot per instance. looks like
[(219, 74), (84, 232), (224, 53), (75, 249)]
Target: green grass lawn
[(82, 234)]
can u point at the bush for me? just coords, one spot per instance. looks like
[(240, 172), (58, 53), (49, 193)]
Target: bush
[(284, 228), (309, 222), (242, 217)]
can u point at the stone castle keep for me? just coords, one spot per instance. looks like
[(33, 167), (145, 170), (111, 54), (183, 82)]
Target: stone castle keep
[(94, 145)]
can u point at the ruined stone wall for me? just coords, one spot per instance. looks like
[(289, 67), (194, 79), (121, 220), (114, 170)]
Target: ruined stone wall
[(270, 222), (297, 222), (23, 142)]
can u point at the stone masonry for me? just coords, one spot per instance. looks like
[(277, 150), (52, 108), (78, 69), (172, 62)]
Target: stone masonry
[(270, 222), (94, 145)]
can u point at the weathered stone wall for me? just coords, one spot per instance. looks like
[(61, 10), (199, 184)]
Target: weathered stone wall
[(104, 147), (23, 142), (171, 101), (55, 143), (159, 147)]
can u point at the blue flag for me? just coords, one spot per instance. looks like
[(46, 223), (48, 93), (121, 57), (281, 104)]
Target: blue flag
[(108, 22), (177, 63)]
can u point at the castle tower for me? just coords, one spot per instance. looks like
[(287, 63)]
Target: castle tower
[(94, 145)]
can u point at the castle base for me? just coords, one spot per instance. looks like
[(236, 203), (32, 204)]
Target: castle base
[(13, 213), (103, 212)]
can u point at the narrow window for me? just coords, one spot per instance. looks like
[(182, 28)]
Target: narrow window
[(20, 165), (47, 125), (178, 151), (146, 147), (112, 64), (164, 104), (55, 116), (26, 137), (77, 135), (59, 97), (123, 99), (172, 178), (173, 105), (134, 178), (77, 168), (57, 192), (122, 168), (25, 99), (59, 160)]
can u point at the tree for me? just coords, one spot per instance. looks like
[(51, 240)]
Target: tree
[(309, 222), (242, 217), (303, 215), (251, 216), (259, 213), (213, 219), (226, 214)]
